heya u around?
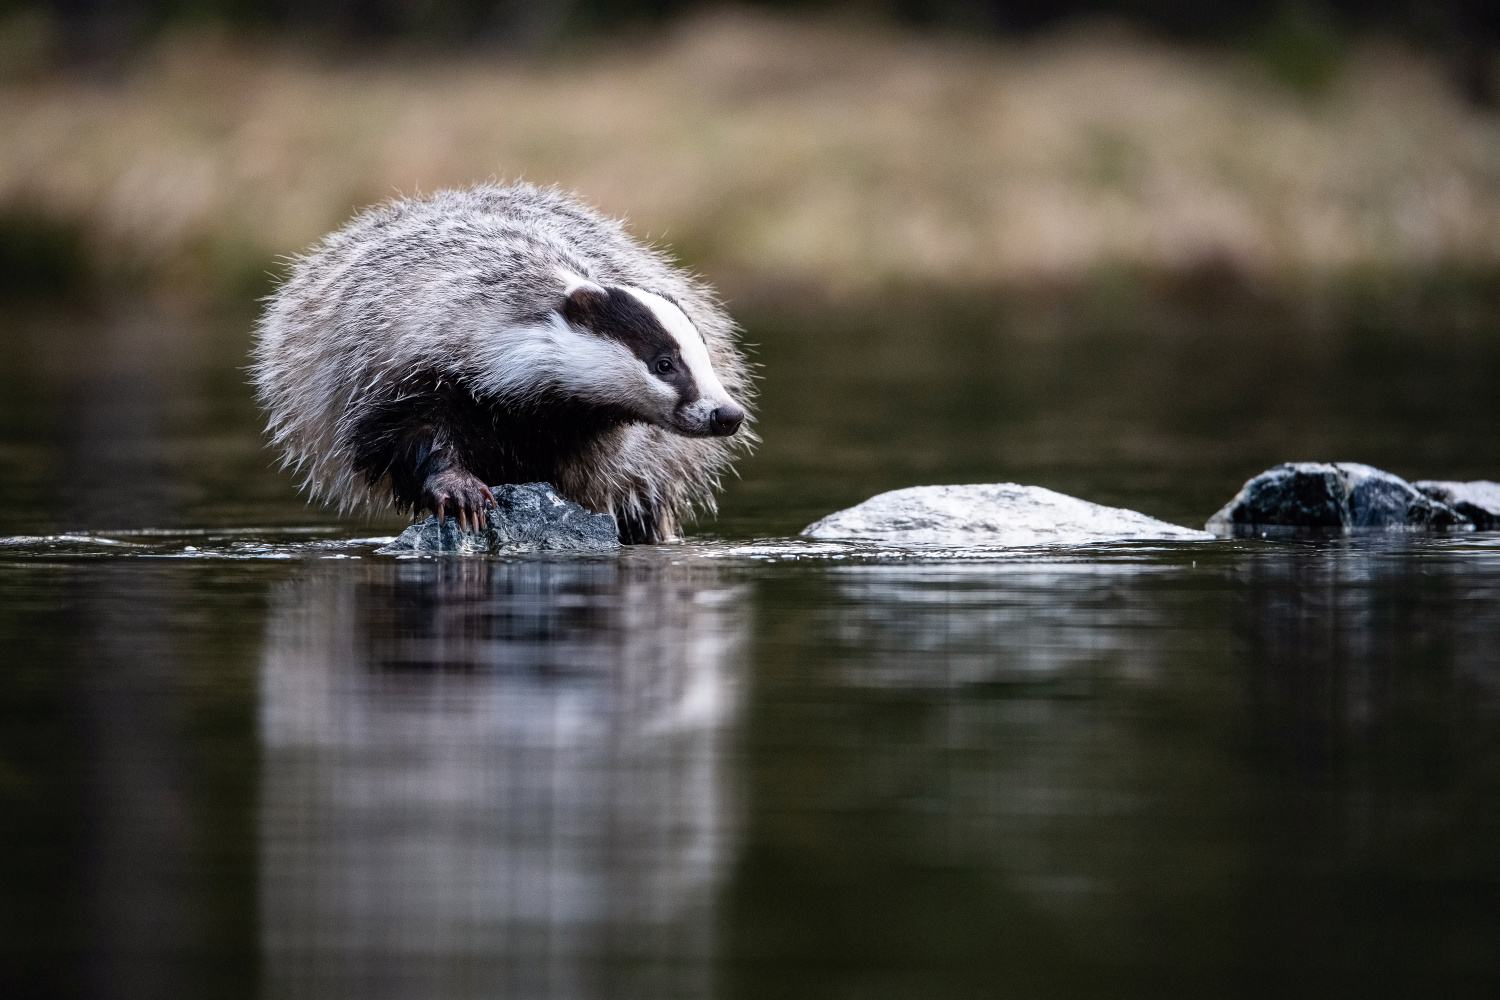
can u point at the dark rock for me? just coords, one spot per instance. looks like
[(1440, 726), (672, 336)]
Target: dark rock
[(1336, 496), (529, 518), (1479, 501), (1380, 500)]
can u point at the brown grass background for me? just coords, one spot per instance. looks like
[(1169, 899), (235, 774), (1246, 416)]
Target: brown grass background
[(777, 155)]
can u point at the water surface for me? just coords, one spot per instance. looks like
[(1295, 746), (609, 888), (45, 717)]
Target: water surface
[(241, 755)]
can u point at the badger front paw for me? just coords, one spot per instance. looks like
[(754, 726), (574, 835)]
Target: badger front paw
[(454, 491)]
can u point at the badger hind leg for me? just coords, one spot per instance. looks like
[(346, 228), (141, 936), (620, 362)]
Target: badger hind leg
[(644, 524)]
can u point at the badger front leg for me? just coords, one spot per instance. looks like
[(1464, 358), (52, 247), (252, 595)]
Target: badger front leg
[(425, 471), (456, 490)]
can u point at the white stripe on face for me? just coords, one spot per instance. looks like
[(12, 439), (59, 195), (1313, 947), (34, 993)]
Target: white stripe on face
[(689, 342), (523, 363)]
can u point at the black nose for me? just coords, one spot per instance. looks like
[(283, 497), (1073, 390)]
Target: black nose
[(725, 420)]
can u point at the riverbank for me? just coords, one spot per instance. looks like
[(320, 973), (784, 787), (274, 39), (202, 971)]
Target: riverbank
[(780, 158)]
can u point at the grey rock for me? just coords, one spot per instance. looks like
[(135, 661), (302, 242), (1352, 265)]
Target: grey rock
[(1479, 501), (1332, 496), (989, 515), (528, 518)]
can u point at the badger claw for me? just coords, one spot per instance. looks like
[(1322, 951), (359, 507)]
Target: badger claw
[(464, 494)]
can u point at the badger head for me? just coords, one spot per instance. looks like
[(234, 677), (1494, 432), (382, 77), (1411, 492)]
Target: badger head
[(636, 351)]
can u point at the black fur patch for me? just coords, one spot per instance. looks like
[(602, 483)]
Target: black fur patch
[(639, 528), (430, 423), (618, 315)]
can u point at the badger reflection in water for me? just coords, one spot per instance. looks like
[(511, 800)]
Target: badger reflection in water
[(497, 778)]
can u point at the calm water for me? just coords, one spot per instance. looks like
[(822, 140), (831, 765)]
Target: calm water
[(240, 755)]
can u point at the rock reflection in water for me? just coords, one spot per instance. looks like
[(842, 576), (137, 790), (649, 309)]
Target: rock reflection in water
[(956, 625), (1018, 751), (497, 779), (1335, 628), (1166, 768)]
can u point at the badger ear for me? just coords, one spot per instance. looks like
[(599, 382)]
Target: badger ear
[(582, 305)]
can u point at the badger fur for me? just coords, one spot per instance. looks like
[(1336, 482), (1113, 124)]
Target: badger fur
[(495, 335)]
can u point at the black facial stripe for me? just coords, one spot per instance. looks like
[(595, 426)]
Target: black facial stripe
[(620, 316)]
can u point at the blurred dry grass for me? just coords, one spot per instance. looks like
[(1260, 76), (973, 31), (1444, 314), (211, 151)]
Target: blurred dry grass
[(777, 154)]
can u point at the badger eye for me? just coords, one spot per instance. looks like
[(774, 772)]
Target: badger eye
[(664, 366)]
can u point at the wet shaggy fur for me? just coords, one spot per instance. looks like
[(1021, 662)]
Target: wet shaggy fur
[(378, 366)]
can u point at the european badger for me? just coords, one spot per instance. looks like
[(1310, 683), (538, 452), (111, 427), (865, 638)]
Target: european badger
[(501, 335)]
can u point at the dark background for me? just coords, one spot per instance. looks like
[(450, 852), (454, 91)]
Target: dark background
[(1465, 29), (1435, 20)]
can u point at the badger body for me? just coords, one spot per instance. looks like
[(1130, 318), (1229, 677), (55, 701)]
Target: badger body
[(437, 345)]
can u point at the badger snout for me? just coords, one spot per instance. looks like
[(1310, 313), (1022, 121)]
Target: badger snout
[(706, 418), (725, 420)]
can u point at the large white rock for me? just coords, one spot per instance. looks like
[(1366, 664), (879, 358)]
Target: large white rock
[(994, 514)]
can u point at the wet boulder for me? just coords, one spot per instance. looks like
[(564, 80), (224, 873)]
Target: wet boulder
[(528, 518), (991, 515), (1332, 496), (1479, 501)]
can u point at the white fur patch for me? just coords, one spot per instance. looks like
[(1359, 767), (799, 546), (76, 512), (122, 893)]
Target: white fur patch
[(522, 363), (572, 282)]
